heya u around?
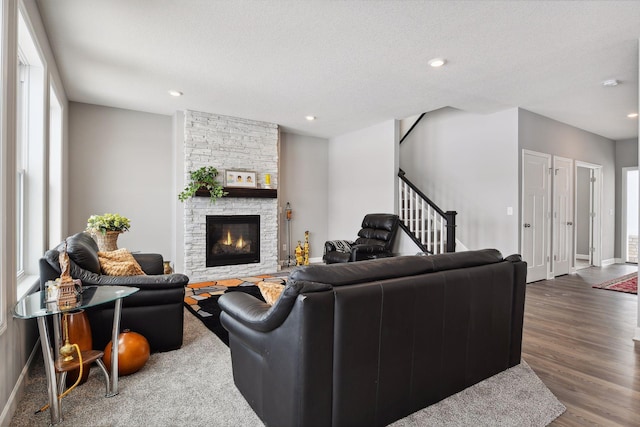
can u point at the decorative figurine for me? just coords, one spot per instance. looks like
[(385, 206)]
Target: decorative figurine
[(166, 266), (299, 259), (306, 248), (66, 287)]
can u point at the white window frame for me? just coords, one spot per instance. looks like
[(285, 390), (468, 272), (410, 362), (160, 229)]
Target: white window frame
[(34, 165), (22, 154)]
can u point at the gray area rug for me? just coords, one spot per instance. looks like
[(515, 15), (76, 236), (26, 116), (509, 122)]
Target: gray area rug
[(193, 386)]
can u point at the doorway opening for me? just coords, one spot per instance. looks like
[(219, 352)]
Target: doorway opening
[(630, 215), (588, 235)]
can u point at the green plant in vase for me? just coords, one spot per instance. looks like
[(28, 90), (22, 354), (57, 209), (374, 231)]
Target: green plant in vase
[(204, 177), (108, 222), (106, 228)]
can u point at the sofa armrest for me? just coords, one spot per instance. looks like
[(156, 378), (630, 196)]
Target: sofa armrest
[(150, 263), (260, 316), (246, 309), (363, 251)]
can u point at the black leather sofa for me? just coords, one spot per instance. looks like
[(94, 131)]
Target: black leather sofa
[(155, 311), (368, 343)]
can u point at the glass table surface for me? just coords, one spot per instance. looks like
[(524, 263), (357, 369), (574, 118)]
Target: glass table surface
[(35, 305)]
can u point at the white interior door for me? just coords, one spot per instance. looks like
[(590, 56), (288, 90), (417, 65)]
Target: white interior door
[(562, 215), (536, 172)]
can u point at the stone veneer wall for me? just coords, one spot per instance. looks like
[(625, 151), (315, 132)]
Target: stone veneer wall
[(230, 143)]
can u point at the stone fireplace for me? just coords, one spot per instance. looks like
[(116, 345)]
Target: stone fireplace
[(230, 143)]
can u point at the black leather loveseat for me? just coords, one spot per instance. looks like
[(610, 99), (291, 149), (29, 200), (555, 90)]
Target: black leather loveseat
[(155, 311), (368, 343)]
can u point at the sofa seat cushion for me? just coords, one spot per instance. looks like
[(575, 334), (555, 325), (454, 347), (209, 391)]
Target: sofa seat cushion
[(119, 263)]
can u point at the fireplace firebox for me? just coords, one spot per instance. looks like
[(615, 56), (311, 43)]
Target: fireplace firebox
[(233, 239)]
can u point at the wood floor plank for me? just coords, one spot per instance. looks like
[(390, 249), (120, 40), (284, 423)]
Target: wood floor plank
[(578, 340)]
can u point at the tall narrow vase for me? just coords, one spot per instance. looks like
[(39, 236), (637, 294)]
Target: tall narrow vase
[(79, 333)]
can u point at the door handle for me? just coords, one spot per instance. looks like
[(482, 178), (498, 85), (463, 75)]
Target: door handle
[(569, 223), (526, 225)]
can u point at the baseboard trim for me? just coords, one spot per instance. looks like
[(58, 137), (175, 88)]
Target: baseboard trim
[(580, 256), (610, 261), (18, 389)]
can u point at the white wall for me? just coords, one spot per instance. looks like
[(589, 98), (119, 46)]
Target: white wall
[(549, 136), (304, 184), (469, 163), (363, 167), (122, 162)]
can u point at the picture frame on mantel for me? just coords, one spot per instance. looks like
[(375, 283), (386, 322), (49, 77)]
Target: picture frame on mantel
[(240, 178)]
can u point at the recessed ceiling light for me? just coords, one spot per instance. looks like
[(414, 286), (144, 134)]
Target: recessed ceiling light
[(610, 83), (632, 115), (310, 118), (175, 93), (437, 62)]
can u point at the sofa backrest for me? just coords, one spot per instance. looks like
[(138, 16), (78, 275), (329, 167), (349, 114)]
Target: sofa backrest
[(389, 268), (83, 251)]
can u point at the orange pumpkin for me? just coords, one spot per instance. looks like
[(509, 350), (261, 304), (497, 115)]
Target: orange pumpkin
[(133, 353)]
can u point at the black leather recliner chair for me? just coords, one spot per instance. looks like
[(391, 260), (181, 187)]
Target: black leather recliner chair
[(374, 241), (155, 311)]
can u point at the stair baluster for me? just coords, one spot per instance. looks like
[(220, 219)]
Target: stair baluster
[(431, 228)]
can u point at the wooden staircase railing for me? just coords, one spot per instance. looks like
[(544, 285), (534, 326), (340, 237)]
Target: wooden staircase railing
[(431, 228)]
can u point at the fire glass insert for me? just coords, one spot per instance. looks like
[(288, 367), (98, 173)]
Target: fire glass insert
[(233, 239)]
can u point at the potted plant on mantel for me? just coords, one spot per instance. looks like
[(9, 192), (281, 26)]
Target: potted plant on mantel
[(106, 228), (204, 177)]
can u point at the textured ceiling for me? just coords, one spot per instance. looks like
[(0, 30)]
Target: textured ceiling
[(352, 63)]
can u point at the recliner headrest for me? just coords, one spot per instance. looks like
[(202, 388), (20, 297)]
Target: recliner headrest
[(387, 222)]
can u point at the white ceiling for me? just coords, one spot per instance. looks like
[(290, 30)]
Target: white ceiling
[(352, 63)]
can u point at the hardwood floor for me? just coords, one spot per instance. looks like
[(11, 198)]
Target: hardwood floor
[(578, 340)]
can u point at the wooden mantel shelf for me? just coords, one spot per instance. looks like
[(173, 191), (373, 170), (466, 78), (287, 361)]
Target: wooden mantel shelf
[(263, 193)]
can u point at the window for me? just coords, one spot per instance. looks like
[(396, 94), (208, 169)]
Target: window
[(22, 135), (55, 169), (30, 159)]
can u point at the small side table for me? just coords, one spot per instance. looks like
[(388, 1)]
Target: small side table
[(35, 306)]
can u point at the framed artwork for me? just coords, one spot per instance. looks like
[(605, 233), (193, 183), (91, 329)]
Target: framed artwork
[(240, 178)]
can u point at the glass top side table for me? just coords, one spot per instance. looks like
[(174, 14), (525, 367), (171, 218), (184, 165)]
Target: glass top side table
[(35, 306)]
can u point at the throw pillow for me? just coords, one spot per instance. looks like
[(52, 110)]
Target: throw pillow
[(119, 263), (270, 291)]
